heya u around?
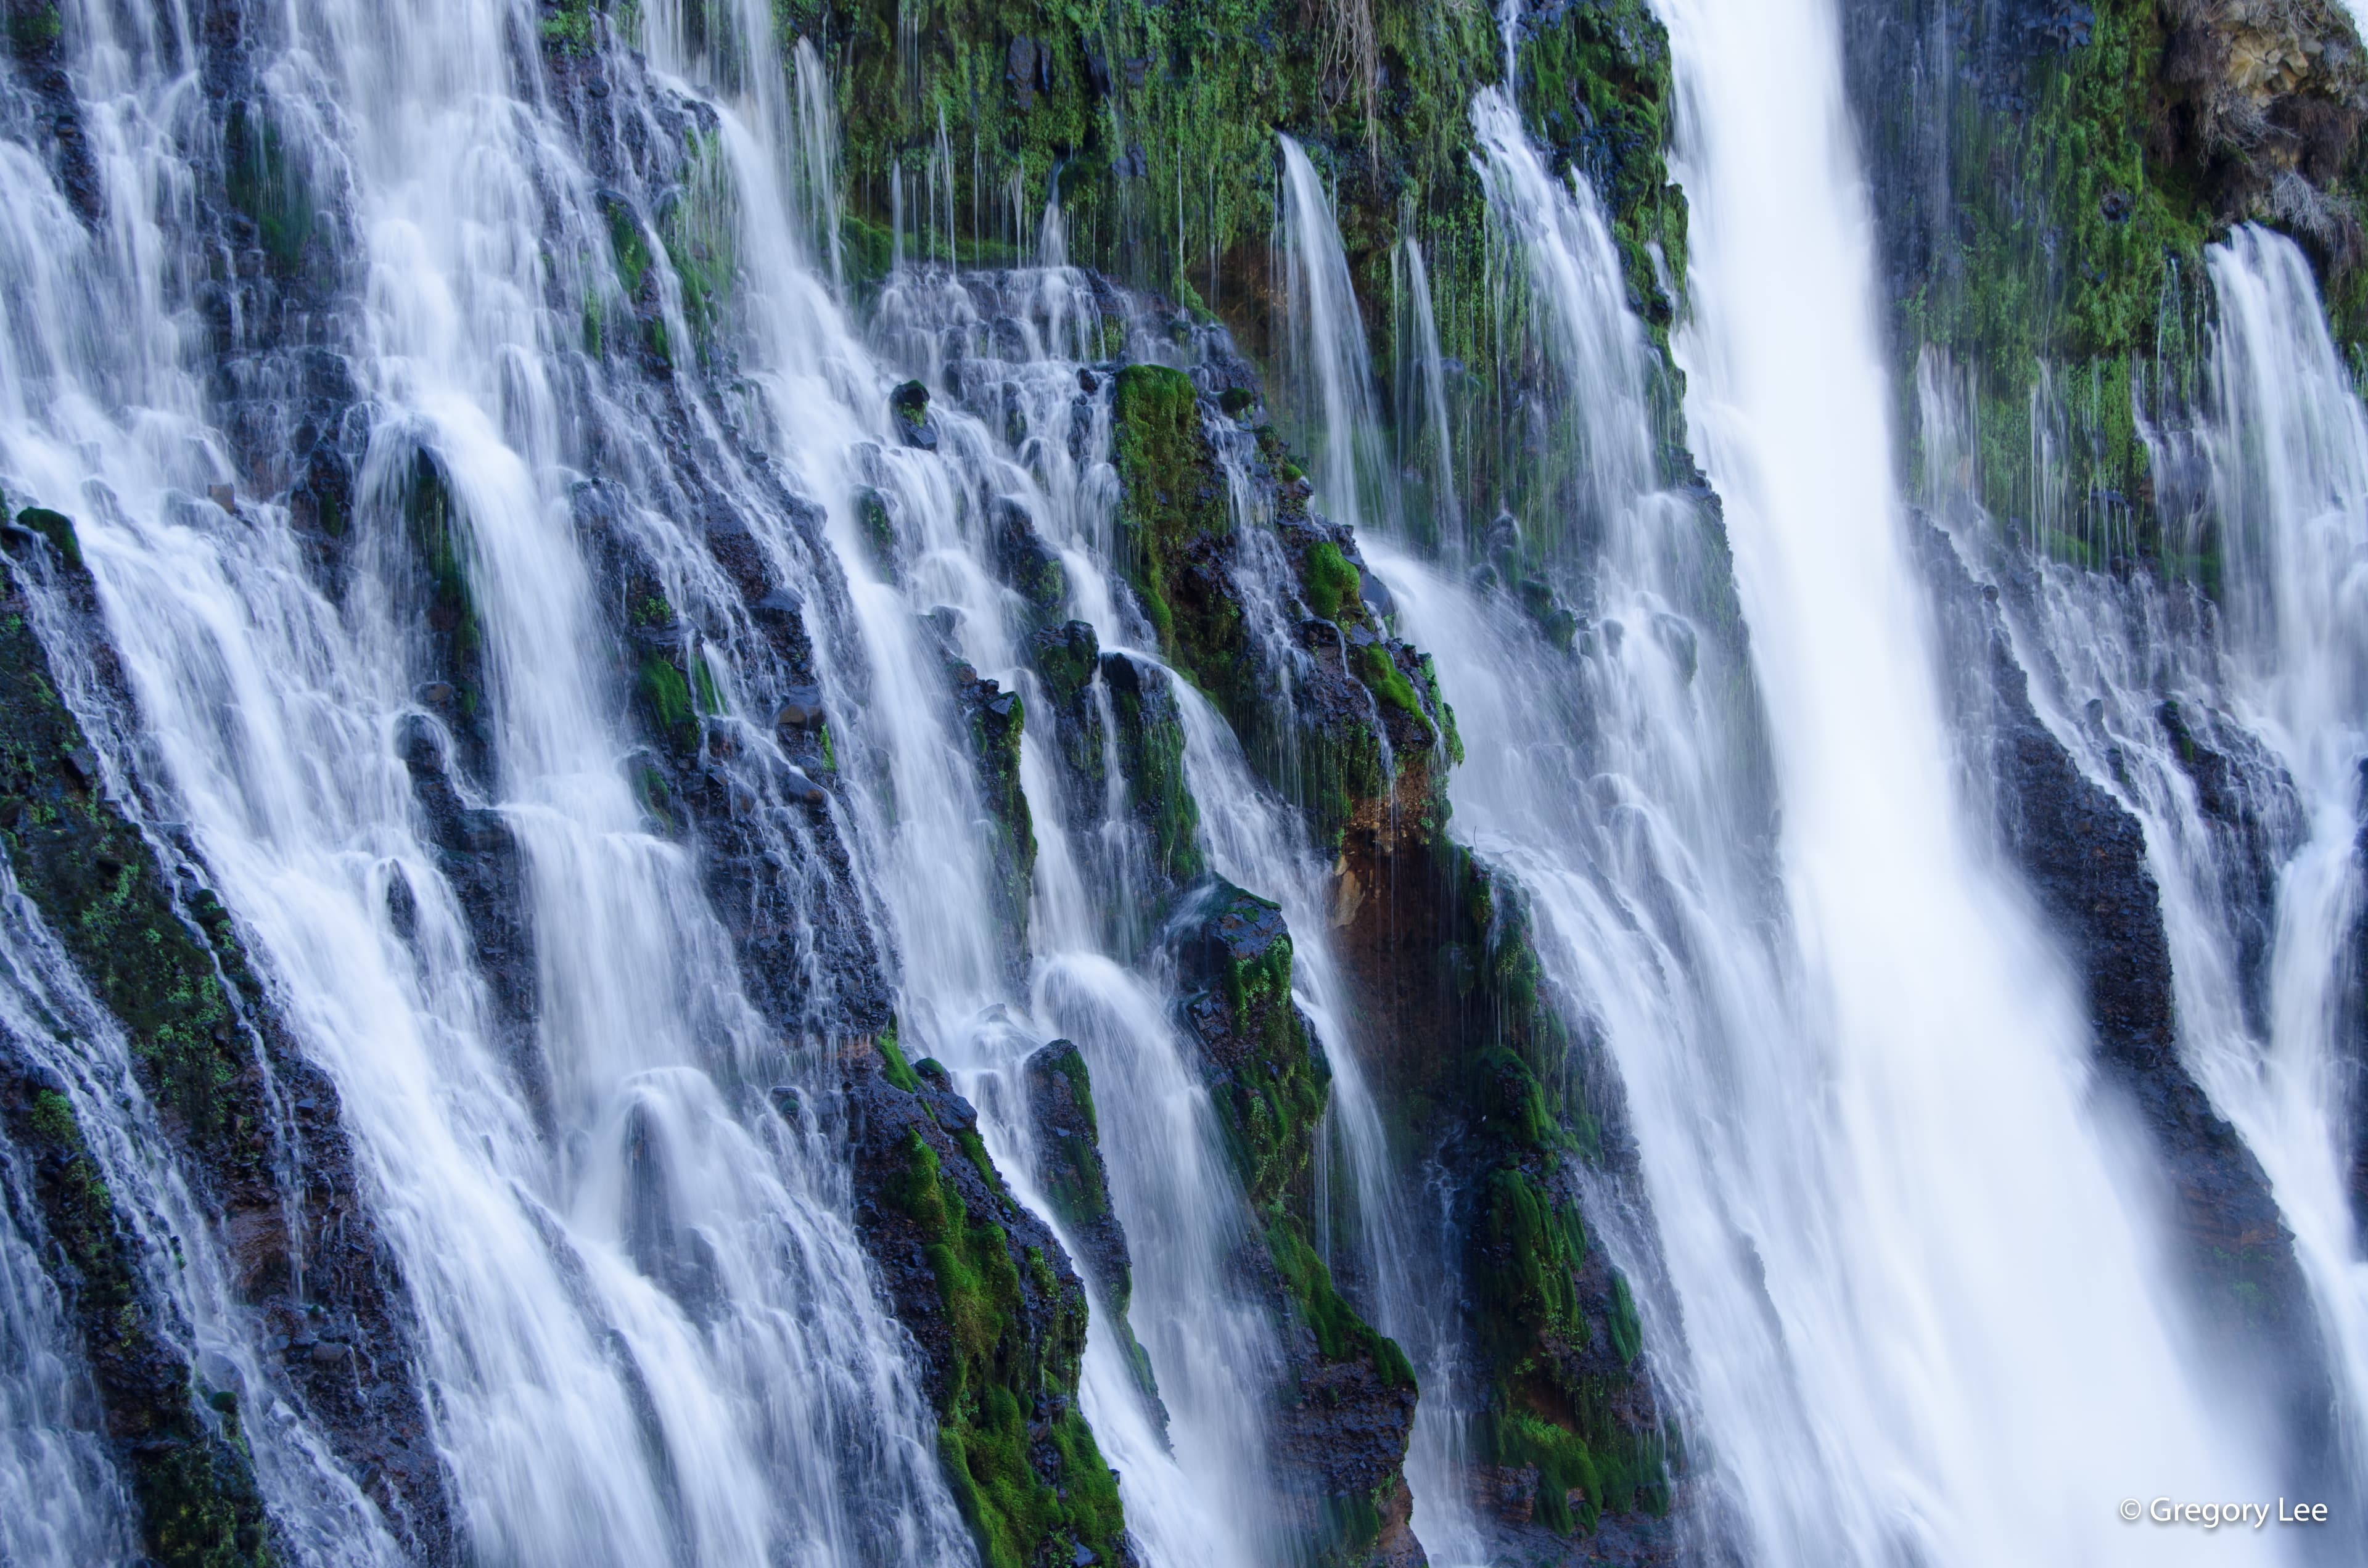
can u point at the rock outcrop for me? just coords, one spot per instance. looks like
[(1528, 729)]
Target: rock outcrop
[(1069, 1162), (996, 1310), (2083, 855), (1339, 1438)]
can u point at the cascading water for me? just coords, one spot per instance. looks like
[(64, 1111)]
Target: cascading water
[(1928, 1010), (603, 698), (1332, 375), (66, 1501), (2234, 739), (754, 1401), (1856, 1393)]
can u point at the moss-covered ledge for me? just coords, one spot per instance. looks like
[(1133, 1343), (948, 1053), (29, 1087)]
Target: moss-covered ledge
[(996, 1312), (1360, 743)]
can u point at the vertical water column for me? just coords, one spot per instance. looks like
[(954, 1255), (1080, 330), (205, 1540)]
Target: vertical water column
[(1962, 1289), (1329, 373), (2289, 448), (2231, 726)]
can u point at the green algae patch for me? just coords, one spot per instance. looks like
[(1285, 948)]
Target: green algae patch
[(1176, 524)]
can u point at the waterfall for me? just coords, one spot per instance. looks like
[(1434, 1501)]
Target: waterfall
[(1331, 375), (1422, 395), (2233, 740), (66, 1501), (1926, 1007), (1580, 303), (643, 1311), (594, 677)]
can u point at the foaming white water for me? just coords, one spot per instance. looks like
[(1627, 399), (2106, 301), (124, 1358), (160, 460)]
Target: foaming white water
[(2290, 478), (1963, 1318), (1196, 1492)]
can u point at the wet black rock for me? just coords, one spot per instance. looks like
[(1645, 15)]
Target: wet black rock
[(478, 856), (1032, 568), (1066, 659), (1339, 1437), (2083, 854), (1069, 1166), (908, 410)]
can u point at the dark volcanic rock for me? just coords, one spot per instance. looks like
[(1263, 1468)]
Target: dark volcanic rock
[(994, 719), (1069, 1164), (1067, 658), (1339, 1438), (1068, 1140), (478, 855)]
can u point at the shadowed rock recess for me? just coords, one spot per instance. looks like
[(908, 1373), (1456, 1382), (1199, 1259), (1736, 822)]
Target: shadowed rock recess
[(725, 863)]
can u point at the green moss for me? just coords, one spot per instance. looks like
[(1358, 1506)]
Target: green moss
[(568, 27), (1382, 675), (1330, 580), (1066, 661), (1340, 1333), (1171, 503), (1272, 1101), (701, 233), (629, 248), (2059, 261), (893, 1065), (985, 1439), (703, 685), (1151, 755), (666, 702), (1595, 91), (96, 881), (437, 528), (34, 28), (876, 527), (998, 724), (58, 528)]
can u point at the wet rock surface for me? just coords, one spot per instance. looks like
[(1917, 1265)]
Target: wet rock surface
[(1339, 1437)]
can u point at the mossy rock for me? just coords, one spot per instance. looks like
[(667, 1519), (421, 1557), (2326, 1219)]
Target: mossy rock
[(1176, 529), (997, 1313), (98, 887), (1151, 756)]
